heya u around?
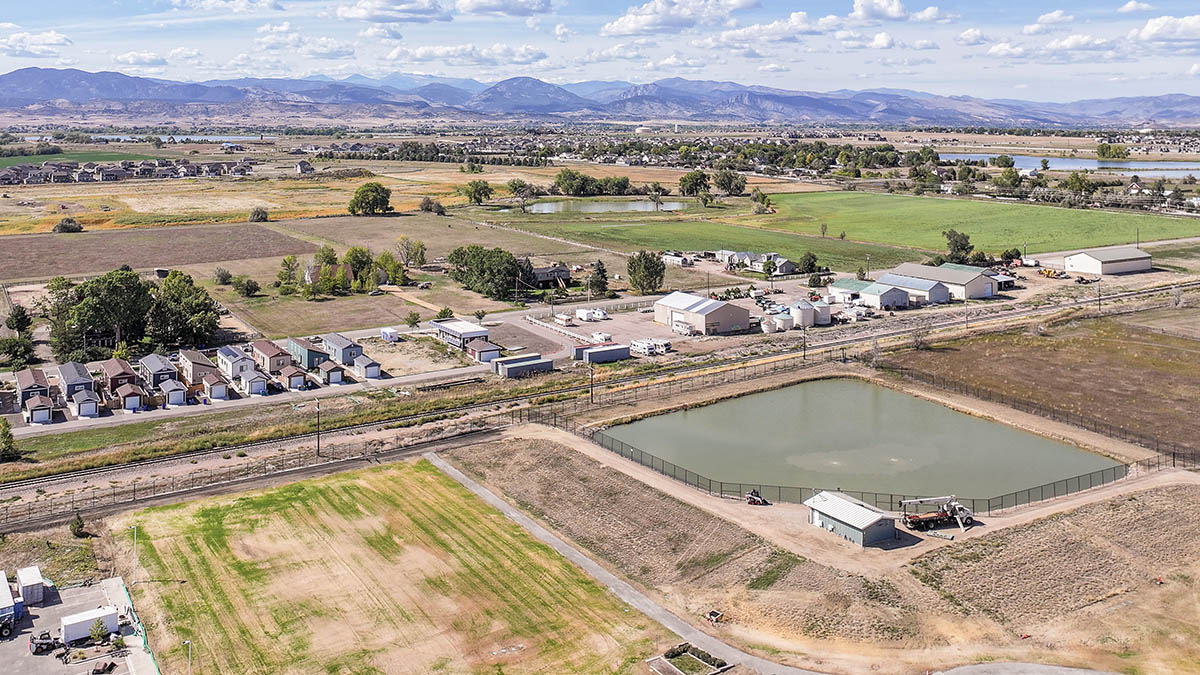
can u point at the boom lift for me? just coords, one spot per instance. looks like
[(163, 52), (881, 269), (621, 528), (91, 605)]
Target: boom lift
[(949, 510)]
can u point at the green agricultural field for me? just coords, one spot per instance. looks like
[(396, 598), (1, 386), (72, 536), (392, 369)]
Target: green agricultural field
[(919, 222), (88, 156), (390, 569)]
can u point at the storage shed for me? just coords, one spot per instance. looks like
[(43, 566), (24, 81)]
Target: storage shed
[(79, 626), (1123, 260), (605, 353), (215, 386), (293, 378), (252, 383), (483, 351), (703, 315), (389, 334), (850, 518), (525, 368), (331, 372), (882, 296), (131, 396), (39, 410), (503, 361), (30, 585)]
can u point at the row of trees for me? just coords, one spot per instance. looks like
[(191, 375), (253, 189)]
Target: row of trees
[(495, 272), (412, 151), (358, 270)]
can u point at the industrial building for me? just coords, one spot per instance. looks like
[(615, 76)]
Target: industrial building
[(1124, 260), (483, 351), (882, 296), (849, 518), (920, 291), (506, 361), (457, 332), (845, 291), (701, 315), (963, 284)]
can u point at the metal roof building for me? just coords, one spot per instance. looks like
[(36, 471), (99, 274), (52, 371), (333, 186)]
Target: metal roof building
[(919, 290), (883, 296), (1121, 260), (962, 284), (849, 518), (457, 332), (704, 315)]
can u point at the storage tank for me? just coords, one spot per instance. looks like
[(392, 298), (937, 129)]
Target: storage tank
[(822, 312), (784, 322), (769, 326), (803, 313)]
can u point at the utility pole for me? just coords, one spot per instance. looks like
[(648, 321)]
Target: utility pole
[(318, 427), (868, 265), (592, 383), (1097, 296)]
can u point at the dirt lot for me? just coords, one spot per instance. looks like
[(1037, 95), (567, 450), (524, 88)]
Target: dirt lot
[(411, 356), (41, 256), (394, 569)]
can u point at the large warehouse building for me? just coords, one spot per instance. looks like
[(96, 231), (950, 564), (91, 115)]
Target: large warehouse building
[(849, 518), (1122, 260), (963, 284), (702, 315)]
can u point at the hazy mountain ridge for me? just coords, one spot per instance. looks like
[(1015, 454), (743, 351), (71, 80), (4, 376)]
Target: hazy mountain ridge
[(529, 98)]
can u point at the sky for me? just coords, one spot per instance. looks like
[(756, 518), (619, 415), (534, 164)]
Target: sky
[(1021, 49)]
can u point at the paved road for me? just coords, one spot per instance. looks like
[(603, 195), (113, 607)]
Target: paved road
[(1018, 669), (621, 589)]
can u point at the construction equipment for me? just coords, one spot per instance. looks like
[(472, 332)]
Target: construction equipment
[(43, 643), (949, 510), (755, 499)]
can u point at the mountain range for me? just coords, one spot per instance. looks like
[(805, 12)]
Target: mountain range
[(525, 98)]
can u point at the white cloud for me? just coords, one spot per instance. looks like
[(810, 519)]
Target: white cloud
[(932, 14), (882, 40), (278, 36), (5, 25), (504, 7), (33, 45), (184, 54), (394, 11), (773, 68), (1078, 42), (238, 6), (618, 52), (677, 61), (1135, 6), (925, 45), (874, 10), (673, 16), (971, 37), (381, 31), (562, 33), (327, 48), (140, 59), (783, 30), (1169, 29), (469, 54), (1045, 22), (1195, 69), (1006, 50)]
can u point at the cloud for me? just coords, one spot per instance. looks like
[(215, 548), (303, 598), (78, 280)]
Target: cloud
[(1078, 42), (618, 52), (673, 16), (773, 68), (882, 40), (971, 37), (1195, 69), (1046, 21), (237, 6), (783, 30), (504, 7), (184, 54), (34, 45), (677, 61), (1169, 29), (277, 36), (925, 45), (932, 14), (1006, 50), (140, 59), (5, 25), (327, 48), (381, 31), (1134, 6), (470, 55), (876, 10), (394, 11), (562, 33)]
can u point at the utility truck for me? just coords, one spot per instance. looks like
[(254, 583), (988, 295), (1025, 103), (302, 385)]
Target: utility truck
[(949, 510)]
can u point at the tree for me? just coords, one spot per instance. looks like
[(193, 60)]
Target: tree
[(99, 631), (1008, 178), (495, 273), (861, 274), (8, 445), (1045, 164), (122, 351), (646, 271), (958, 246), (1077, 183), (479, 314), (445, 313), (359, 259), (371, 199), (181, 312), (18, 350), (655, 192), (1111, 151), (222, 276), (413, 319), (325, 256), (807, 263), (597, 281), (118, 301), (693, 183), (769, 268), (391, 268), (245, 286), (1003, 162), (426, 204), (18, 319), (842, 236), (411, 251), (824, 229), (259, 214), (730, 182), (816, 281), (522, 191), (68, 225), (476, 191), (571, 182), (289, 271), (77, 527), (705, 199)]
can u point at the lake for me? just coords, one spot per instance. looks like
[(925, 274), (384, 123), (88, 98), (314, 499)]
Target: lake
[(1123, 168), (854, 435), (587, 206)]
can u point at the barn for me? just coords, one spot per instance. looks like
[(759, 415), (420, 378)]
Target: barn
[(849, 518), (702, 315), (1123, 260)]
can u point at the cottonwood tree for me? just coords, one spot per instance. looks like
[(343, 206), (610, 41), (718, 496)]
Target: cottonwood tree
[(370, 199), (646, 271), (289, 271), (693, 183), (730, 182), (476, 191), (411, 252)]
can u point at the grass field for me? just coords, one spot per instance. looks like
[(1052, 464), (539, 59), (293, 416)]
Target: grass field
[(919, 222), (393, 569), (81, 157)]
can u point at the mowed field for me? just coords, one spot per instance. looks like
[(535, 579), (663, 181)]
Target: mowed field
[(41, 256), (393, 569), (82, 156), (919, 222)]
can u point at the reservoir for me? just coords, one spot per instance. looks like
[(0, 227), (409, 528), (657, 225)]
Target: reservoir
[(583, 206), (1116, 166), (854, 435)]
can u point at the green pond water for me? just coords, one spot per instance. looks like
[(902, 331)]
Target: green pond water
[(853, 435)]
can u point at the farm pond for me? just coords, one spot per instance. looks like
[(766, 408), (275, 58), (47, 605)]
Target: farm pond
[(853, 435)]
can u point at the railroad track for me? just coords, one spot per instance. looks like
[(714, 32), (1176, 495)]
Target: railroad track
[(670, 372)]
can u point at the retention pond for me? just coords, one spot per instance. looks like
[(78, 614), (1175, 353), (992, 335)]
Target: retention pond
[(853, 435)]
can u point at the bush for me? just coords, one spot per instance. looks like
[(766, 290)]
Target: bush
[(68, 225), (438, 209), (118, 642), (222, 276), (76, 526), (259, 215), (426, 204), (245, 286)]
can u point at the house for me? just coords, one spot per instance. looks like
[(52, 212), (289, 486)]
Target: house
[(215, 386), (39, 409), (131, 396), (313, 274), (553, 276), (847, 290), (852, 519), (331, 372), (307, 355), (962, 284), (32, 382), (156, 369), (678, 259), (758, 263), (270, 357), (84, 403), (693, 313), (481, 350), (292, 378), (252, 383), (195, 366), (366, 368), (341, 348), (304, 168), (116, 374), (457, 332), (1122, 260), (882, 296), (233, 362), (920, 291), (174, 392)]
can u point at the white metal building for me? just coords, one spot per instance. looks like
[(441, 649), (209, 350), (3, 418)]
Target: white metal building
[(703, 315), (962, 284), (850, 518), (457, 332), (920, 291), (1122, 260), (882, 296)]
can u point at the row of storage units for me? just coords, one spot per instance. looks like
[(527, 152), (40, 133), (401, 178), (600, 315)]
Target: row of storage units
[(601, 352), (521, 365)]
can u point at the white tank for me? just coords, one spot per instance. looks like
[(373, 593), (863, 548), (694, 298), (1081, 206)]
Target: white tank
[(821, 310), (785, 322), (803, 313)]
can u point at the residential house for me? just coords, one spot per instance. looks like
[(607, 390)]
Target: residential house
[(270, 357), (341, 349), (156, 369), (74, 377), (117, 373), (194, 366), (312, 274), (552, 276), (32, 382), (306, 354), (233, 362)]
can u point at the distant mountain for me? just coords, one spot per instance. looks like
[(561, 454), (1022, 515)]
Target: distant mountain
[(62, 93)]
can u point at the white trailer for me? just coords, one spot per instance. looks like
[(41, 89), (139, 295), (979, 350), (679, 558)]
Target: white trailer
[(389, 334), (584, 315), (30, 585), (79, 626)]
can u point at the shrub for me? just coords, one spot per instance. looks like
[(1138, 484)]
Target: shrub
[(99, 631), (245, 286), (76, 526), (426, 204), (445, 313), (68, 225), (259, 215), (118, 642), (222, 276), (438, 209)]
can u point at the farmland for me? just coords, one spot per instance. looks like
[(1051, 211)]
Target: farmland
[(919, 222), (384, 570)]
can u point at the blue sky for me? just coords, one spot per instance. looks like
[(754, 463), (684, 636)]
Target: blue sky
[(1012, 49)]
